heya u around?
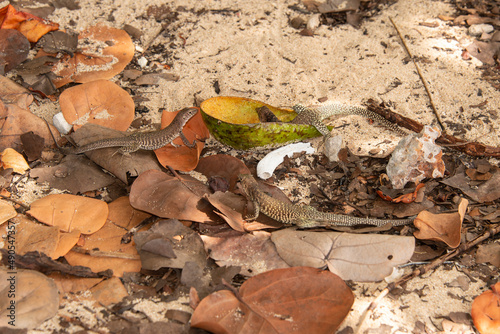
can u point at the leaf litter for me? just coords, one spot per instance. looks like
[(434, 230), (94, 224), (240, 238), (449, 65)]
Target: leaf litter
[(169, 244)]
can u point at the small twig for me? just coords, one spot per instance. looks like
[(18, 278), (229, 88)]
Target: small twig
[(24, 206), (443, 129), (495, 229), (106, 254)]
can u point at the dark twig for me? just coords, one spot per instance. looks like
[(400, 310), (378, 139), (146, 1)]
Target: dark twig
[(443, 129)]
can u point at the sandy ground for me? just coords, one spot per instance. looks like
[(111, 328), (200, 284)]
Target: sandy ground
[(252, 51)]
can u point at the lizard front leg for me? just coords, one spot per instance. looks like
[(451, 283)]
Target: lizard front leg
[(255, 213)]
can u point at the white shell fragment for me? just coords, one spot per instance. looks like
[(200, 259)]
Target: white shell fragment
[(266, 167), (415, 158), (60, 123), (332, 147)]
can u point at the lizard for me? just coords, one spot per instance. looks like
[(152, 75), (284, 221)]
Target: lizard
[(315, 116), (302, 216), (141, 140)]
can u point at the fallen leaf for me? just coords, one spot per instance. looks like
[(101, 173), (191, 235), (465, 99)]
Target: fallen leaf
[(70, 212), (105, 52), (15, 121), (14, 49), (120, 165), (167, 197), (99, 102), (36, 299), (7, 211), (10, 158), (445, 227), (70, 287), (121, 213), (13, 93), (254, 253), (291, 300), (488, 191), (29, 25), (182, 157), (489, 253), (103, 250), (222, 165), (66, 242), (74, 173), (170, 244), (32, 236), (357, 257), (486, 311), (110, 291)]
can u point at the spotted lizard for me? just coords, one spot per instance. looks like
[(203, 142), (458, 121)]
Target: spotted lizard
[(142, 140), (315, 115), (302, 216)]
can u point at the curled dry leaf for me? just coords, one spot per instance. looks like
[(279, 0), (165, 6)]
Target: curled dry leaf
[(105, 53), (357, 257), (69, 212), (36, 299), (445, 227), (486, 311), (167, 197), (99, 102), (182, 157), (254, 253), (29, 25), (10, 158), (291, 300)]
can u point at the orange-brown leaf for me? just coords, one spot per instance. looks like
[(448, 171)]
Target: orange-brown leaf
[(445, 227), (99, 102), (69, 212), (95, 62), (486, 311), (291, 300), (29, 25)]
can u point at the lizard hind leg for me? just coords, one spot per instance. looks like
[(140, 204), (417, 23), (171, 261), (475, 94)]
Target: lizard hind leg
[(186, 141)]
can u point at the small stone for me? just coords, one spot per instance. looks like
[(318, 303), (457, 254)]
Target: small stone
[(142, 62), (479, 29), (297, 22), (332, 147)]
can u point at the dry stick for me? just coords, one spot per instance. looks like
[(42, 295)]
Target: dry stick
[(443, 129), (494, 229)]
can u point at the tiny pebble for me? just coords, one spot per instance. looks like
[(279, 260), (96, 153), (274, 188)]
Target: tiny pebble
[(142, 62)]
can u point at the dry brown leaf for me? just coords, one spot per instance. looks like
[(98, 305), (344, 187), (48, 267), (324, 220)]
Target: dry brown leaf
[(222, 165), (14, 49), (105, 53), (10, 158), (122, 166), (7, 211), (254, 253), (32, 236), (29, 25), (36, 299), (69, 286), (121, 213), (66, 242), (99, 102), (167, 197), (183, 158), (74, 173), (13, 93), (488, 191), (231, 206), (445, 227), (168, 243), (69, 212), (110, 291), (15, 121), (357, 257), (486, 311), (291, 300), (103, 250), (489, 253)]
